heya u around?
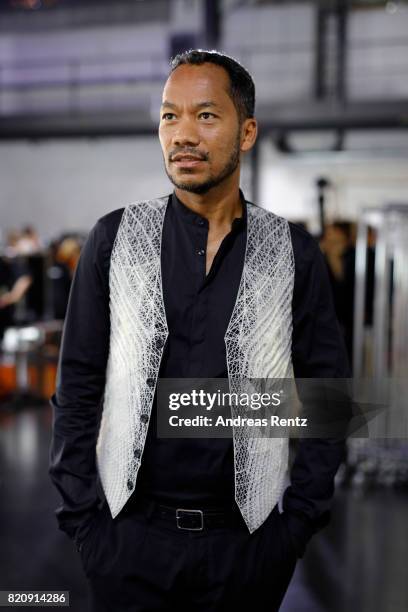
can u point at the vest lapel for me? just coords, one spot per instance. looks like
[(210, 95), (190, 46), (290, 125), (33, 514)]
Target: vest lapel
[(258, 345), (138, 334)]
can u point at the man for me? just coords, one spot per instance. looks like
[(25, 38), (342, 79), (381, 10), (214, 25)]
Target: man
[(15, 281), (199, 284)]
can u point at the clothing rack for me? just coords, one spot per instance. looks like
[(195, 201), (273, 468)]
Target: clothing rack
[(380, 350)]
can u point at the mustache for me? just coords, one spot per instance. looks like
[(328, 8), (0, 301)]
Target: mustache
[(188, 151)]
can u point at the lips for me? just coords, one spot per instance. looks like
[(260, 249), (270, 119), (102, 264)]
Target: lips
[(186, 162), (186, 158)]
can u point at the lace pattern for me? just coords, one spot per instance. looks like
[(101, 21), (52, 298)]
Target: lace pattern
[(258, 345)]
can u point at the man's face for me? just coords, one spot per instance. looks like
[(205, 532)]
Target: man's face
[(199, 128)]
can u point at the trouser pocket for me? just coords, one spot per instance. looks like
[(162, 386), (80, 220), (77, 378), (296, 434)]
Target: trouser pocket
[(94, 538)]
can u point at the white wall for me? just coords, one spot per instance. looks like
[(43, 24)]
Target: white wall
[(63, 185), (67, 185), (359, 180)]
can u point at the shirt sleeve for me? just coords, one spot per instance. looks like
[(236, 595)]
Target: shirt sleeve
[(318, 351), (80, 385)]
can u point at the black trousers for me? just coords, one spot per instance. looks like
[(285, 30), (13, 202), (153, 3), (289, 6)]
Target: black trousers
[(138, 562)]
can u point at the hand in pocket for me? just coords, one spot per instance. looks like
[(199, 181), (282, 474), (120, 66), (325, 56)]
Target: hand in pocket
[(88, 543)]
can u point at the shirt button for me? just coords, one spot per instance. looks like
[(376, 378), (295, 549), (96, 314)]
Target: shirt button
[(136, 453), (201, 252), (200, 222), (130, 484), (150, 382), (144, 418)]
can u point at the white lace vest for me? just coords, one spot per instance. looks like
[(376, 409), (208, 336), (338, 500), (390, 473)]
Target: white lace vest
[(258, 345)]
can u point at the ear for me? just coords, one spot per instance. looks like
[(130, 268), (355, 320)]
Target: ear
[(249, 132)]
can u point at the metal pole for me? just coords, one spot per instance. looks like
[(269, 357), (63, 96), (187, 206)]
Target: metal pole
[(381, 301), (359, 298), (212, 23), (320, 64), (342, 22)]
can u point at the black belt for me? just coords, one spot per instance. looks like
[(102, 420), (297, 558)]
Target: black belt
[(191, 519)]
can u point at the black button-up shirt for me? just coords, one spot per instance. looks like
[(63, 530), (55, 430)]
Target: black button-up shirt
[(198, 308)]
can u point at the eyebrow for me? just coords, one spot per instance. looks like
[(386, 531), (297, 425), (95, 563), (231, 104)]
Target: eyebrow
[(205, 104)]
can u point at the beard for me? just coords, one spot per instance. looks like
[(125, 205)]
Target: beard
[(201, 187)]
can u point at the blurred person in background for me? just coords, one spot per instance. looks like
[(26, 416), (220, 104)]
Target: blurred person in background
[(197, 284), (65, 254), (15, 281), (338, 246), (29, 242), (12, 239), (24, 242)]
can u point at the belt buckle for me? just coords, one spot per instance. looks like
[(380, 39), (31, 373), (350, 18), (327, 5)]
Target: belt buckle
[(199, 512)]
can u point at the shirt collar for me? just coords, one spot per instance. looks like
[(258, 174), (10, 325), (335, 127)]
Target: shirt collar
[(189, 216)]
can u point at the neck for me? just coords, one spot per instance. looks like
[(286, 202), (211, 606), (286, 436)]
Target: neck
[(219, 205)]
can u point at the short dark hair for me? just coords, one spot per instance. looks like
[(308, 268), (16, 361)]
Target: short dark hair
[(242, 88)]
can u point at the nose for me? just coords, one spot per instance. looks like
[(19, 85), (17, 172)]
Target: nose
[(186, 134)]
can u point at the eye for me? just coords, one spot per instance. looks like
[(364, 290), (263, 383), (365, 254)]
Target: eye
[(168, 116), (206, 115)]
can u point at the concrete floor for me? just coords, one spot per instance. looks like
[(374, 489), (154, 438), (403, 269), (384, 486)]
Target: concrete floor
[(357, 564)]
